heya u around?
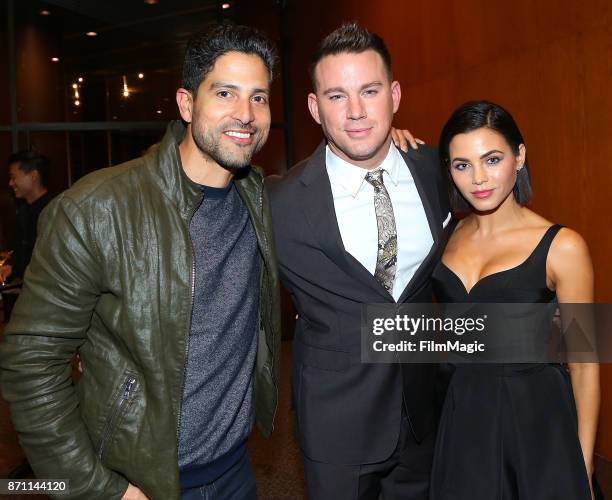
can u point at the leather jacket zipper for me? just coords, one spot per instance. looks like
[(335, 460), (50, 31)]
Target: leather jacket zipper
[(270, 306), (178, 427), (118, 405), (193, 269)]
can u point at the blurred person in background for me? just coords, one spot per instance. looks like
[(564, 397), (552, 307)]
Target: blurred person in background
[(28, 177)]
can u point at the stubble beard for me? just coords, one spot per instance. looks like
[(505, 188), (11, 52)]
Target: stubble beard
[(354, 154), (209, 144)]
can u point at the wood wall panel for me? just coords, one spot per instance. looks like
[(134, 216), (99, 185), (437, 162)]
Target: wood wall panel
[(548, 62)]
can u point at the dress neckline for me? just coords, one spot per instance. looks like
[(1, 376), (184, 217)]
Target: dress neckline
[(503, 271)]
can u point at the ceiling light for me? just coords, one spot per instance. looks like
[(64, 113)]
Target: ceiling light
[(77, 103), (91, 33), (140, 75), (45, 13), (225, 6), (55, 59), (80, 79), (74, 85), (159, 111), (126, 91)]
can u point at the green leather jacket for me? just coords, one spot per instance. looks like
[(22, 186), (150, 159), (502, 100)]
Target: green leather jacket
[(112, 275)]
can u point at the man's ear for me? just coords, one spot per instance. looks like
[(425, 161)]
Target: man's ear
[(35, 176), (184, 100), (396, 95), (313, 106)]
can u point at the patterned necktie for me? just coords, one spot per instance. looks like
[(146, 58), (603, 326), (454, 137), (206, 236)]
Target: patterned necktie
[(386, 260)]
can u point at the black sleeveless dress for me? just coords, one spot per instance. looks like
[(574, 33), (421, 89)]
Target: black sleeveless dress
[(507, 431)]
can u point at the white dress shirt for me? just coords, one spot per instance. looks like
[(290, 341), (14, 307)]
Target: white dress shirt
[(356, 216)]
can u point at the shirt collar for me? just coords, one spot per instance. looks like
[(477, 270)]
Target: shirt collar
[(352, 178)]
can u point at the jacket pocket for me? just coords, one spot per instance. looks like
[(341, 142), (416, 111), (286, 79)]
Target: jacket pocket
[(322, 358), (118, 407)]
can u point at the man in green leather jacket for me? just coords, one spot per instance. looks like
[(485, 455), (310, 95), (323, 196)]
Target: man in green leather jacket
[(161, 273)]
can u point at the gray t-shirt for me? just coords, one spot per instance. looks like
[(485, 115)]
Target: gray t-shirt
[(217, 407)]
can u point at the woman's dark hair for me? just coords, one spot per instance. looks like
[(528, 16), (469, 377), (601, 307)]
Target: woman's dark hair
[(474, 115), (204, 48)]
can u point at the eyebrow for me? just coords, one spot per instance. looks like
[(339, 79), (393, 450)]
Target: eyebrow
[(481, 156), (363, 87), (219, 85)]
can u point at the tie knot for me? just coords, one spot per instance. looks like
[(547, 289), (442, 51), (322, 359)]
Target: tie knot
[(375, 178)]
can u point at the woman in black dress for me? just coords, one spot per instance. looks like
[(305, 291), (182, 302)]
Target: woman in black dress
[(510, 431)]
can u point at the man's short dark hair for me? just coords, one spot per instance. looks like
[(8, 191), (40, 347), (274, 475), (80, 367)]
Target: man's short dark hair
[(29, 161), (204, 48), (471, 116), (350, 38)]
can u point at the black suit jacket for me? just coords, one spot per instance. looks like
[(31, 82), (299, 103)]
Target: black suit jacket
[(348, 412)]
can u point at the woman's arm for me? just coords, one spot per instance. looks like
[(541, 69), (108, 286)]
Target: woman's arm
[(571, 271)]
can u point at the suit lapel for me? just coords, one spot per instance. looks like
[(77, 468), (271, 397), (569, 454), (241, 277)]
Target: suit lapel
[(429, 198), (318, 208)]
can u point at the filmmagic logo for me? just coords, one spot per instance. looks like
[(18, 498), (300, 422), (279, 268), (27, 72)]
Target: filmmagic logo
[(413, 326), (429, 346)]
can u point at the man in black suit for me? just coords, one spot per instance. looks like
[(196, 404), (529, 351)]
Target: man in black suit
[(359, 222)]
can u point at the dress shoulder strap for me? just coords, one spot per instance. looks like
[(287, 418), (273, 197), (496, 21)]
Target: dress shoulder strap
[(544, 246)]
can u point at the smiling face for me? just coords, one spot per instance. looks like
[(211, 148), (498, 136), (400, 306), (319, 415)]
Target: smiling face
[(484, 168), (230, 114), (354, 103), (22, 183)]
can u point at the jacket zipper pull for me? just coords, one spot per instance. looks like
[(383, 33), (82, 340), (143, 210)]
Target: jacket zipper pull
[(128, 388)]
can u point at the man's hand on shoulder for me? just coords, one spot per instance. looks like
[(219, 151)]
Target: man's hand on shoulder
[(133, 493), (403, 138)]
